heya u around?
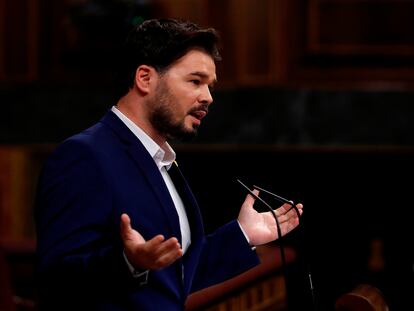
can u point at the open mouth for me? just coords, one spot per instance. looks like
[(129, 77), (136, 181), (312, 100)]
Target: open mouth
[(198, 114)]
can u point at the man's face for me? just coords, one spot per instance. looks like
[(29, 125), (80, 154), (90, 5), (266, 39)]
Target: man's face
[(182, 96)]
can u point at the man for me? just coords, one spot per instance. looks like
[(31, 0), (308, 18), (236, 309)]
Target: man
[(118, 227)]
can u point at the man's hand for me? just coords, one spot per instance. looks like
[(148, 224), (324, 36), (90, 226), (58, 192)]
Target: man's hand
[(261, 227), (154, 254)]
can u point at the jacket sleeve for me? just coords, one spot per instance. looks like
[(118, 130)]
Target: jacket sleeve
[(225, 254), (79, 245)]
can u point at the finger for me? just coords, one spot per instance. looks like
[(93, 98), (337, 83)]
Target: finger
[(251, 199), (282, 219), (290, 225), (125, 226), (168, 258), (166, 253), (297, 209), (167, 246), (283, 209), (292, 217), (155, 242), (292, 213)]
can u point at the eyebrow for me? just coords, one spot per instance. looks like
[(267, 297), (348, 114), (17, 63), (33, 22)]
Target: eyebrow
[(202, 75)]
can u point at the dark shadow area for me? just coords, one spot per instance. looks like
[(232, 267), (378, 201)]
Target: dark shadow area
[(352, 200), (50, 113)]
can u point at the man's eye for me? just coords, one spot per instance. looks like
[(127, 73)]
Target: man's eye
[(196, 82)]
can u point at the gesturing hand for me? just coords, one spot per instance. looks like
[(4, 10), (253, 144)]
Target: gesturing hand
[(261, 227), (156, 253)]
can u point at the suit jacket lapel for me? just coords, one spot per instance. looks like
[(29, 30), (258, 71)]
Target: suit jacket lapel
[(190, 203), (190, 259), (145, 162), (147, 165)]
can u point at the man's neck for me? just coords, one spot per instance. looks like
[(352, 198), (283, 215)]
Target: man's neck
[(134, 110)]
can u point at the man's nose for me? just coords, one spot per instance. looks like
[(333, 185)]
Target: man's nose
[(205, 96)]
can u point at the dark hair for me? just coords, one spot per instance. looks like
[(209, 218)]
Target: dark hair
[(159, 43)]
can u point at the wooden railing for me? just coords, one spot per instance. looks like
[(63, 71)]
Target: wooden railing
[(256, 289), (17, 281)]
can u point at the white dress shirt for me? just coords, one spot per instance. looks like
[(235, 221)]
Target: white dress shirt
[(163, 157)]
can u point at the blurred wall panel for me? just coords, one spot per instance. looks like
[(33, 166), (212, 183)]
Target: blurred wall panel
[(354, 43), (18, 40), (365, 44)]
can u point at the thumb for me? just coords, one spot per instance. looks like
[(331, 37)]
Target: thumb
[(251, 199), (126, 229)]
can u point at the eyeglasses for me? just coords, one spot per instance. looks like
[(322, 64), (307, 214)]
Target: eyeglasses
[(279, 231)]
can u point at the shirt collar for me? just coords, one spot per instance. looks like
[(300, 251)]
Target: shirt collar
[(163, 155)]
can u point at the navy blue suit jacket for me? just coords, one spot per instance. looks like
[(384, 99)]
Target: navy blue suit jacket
[(85, 186)]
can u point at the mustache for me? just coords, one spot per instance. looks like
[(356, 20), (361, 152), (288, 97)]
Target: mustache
[(202, 107)]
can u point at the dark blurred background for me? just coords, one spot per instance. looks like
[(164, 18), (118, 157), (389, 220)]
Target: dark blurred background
[(315, 101)]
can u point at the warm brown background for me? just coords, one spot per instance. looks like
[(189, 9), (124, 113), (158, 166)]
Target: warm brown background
[(315, 101)]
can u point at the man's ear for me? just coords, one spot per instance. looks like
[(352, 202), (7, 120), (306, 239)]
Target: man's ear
[(144, 77)]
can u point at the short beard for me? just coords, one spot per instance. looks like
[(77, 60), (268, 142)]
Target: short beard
[(162, 114)]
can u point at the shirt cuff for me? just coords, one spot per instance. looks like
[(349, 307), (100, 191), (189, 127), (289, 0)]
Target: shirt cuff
[(246, 236), (141, 275)]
